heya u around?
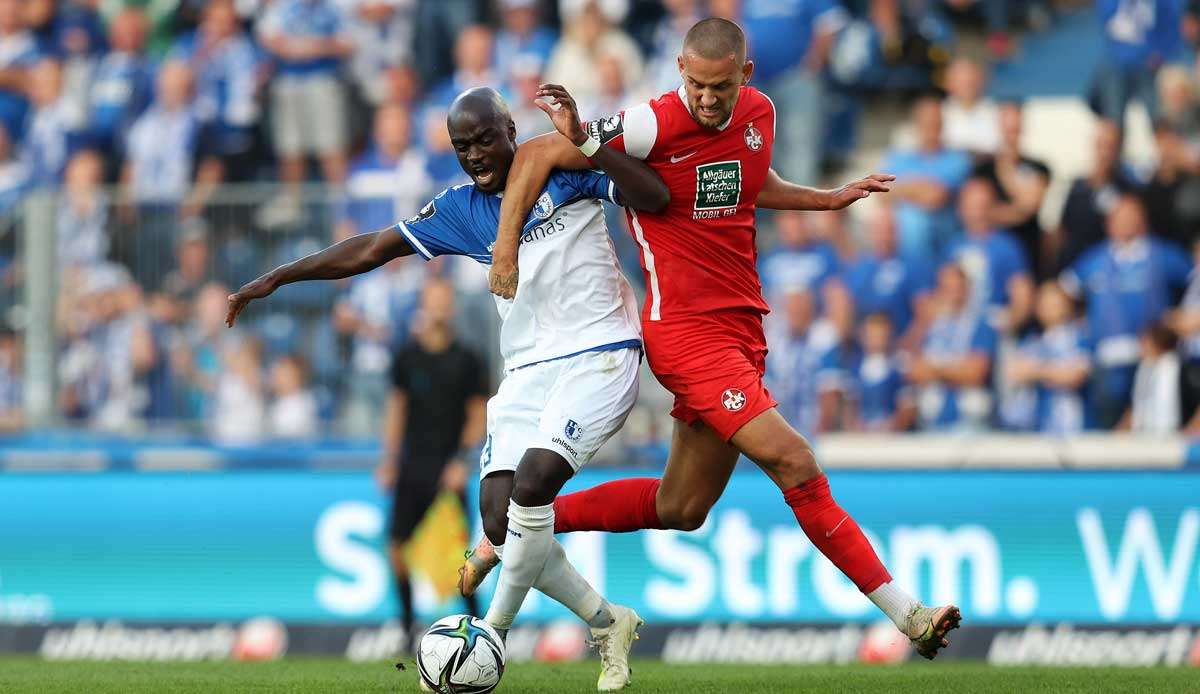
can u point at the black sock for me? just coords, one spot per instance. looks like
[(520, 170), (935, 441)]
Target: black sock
[(472, 605), (404, 597)]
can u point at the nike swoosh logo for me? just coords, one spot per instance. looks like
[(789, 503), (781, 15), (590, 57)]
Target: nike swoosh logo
[(676, 160), (830, 533)]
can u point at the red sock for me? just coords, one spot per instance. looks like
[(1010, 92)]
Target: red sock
[(836, 534), (616, 507)]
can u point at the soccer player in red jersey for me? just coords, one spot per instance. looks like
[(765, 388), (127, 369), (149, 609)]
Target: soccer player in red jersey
[(711, 142)]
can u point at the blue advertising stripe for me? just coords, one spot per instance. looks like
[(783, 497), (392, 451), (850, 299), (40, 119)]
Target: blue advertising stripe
[(1010, 547)]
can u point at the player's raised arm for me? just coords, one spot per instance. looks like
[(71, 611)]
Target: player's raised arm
[(637, 184), (778, 194), (354, 256)]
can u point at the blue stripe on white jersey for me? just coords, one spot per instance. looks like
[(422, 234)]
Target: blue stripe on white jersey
[(572, 297)]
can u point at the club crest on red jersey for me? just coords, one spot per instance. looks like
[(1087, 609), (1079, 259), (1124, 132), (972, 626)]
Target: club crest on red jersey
[(754, 138), (733, 399)]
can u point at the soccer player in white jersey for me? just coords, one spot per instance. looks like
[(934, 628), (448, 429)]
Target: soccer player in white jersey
[(571, 344)]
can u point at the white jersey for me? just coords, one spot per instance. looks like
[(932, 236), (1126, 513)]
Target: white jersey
[(572, 297)]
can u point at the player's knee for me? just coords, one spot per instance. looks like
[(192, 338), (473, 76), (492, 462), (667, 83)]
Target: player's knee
[(684, 516), (539, 478), (794, 462)]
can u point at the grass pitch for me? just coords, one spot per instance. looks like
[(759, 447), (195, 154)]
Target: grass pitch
[(19, 675)]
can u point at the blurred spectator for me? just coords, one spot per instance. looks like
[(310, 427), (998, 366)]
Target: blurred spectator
[(78, 42), (387, 182), (662, 68), (18, 52), (1092, 198), (158, 166), (1172, 196), (197, 357), (522, 35), (292, 413), (993, 260), (14, 175), (83, 213), (55, 130), (1155, 407), (376, 313), (883, 401), (1178, 106), (998, 17), (1044, 380), (12, 401), (157, 175), (1185, 321), (800, 260), (613, 92), (970, 120), (383, 33), (473, 66), (883, 281), (308, 40), (1126, 285), (122, 84), (239, 407), (590, 30), (1020, 183), (802, 367), (928, 177), (115, 371), (790, 44), (226, 66), (953, 370), (525, 78), (193, 263), (1140, 35)]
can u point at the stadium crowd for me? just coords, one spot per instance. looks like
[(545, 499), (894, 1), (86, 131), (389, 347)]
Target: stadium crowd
[(946, 306)]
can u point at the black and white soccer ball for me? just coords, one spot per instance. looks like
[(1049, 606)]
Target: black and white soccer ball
[(460, 654)]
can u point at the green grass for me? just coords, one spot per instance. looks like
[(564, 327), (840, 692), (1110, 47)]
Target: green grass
[(305, 676)]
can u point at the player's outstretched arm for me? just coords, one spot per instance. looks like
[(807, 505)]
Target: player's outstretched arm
[(637, 184), (778, 194), (354, 256)]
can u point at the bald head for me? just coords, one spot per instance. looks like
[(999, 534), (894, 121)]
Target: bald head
[(715, 38), (480, 104), (484, 137)]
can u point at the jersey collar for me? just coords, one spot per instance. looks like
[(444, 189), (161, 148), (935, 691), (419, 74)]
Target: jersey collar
[(683, 97)]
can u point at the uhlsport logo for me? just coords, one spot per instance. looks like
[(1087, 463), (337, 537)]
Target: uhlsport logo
[(572, 430), (544, 207), (754, 138), (733, 399)]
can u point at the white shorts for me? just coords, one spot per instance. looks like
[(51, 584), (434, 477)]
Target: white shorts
[(569, 406)]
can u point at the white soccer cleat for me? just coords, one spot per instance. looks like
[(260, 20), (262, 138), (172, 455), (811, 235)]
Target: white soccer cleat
[(614, 643), (926, 628)]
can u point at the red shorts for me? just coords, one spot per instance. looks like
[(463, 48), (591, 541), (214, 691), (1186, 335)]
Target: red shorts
[(713, 364)]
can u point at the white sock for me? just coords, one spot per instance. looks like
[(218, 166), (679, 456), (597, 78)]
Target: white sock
[(530, 537), (894, 602), (561, 582)]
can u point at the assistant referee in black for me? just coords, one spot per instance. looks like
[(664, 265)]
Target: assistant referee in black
[(436, 414)]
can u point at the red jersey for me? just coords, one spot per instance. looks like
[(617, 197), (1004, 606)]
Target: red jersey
[(698, 254)]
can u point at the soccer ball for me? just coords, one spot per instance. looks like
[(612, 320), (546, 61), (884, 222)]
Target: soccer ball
[(460, 655)]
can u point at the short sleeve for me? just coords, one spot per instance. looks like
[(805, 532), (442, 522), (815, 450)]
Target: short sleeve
[(592, 184), (632, 131), (444, 227)]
